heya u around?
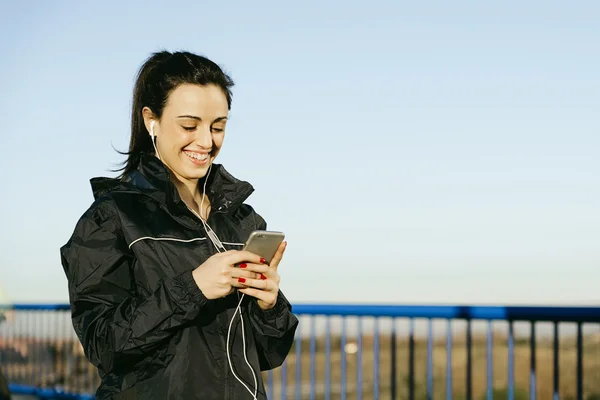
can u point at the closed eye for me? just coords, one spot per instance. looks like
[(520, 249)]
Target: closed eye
[(189, 128)]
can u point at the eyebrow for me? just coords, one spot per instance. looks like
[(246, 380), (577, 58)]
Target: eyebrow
[(200, 119)]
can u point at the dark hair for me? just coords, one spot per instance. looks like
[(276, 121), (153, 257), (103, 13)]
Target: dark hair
[(156, 79)]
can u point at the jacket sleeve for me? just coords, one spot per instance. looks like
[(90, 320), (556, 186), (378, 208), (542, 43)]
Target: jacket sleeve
[(116, 325), (273, 329)]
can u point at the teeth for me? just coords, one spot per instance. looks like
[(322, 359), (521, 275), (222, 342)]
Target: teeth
[(197, 156)]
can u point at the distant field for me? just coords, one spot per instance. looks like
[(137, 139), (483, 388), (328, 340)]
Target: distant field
[(544, 361), (62, 364)]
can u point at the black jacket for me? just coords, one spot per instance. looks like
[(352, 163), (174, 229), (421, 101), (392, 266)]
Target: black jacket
[(136, 309), (4, 391)]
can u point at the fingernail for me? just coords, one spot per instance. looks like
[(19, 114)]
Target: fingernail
[(242, 280), (243, 265), (263, 277), (263, 261)]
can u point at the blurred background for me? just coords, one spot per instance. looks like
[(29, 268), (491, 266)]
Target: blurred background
[(413, 152)]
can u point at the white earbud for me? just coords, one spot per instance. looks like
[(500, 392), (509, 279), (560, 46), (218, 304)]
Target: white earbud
[(153, 139)]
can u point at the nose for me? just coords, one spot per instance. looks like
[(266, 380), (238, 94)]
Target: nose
[(204, 137)]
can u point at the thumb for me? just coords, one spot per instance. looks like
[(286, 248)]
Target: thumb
[(278, 255)]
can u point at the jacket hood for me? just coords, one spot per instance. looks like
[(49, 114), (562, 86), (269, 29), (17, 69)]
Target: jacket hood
[(153, 178)]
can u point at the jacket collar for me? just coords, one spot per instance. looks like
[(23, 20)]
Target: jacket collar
[(152, 177)]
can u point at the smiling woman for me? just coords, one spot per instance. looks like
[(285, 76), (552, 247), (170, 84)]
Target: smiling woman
[(164, 300)]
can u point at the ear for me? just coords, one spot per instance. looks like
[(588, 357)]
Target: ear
[(148, 116)]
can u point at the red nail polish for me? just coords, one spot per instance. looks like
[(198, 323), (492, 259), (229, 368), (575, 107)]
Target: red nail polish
[(263, 261), (242, 280), (243, 265), (263, 277)]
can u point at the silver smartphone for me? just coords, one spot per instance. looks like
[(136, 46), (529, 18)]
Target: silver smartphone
[(264, 243)]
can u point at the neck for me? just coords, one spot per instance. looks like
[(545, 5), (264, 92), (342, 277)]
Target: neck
[(190, 193)]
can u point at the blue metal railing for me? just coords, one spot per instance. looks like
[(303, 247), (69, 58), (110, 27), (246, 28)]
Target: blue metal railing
[(362, 351)]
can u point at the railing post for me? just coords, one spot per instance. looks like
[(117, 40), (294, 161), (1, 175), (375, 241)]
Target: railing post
[(469, 388), (411, 360), (393, 390)]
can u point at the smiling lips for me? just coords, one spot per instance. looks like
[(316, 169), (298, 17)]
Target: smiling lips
[(197, 157)]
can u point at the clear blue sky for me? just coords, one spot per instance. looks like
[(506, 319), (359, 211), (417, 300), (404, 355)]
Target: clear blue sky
[(435, 153)]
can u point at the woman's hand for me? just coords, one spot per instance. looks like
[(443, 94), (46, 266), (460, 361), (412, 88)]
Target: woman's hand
[(217, 277), (266, 288)]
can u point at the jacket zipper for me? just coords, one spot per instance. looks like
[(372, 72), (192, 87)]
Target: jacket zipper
[(227, 374)]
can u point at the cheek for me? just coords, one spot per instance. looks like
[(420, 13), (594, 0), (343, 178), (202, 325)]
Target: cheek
[(176, 141), (218, 140)]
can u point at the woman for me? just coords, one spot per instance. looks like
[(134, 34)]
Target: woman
[(155, 266), (4, 389)]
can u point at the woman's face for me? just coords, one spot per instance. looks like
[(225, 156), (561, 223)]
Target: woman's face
[(191, 131)]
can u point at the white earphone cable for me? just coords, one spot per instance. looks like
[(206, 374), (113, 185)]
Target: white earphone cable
[(220, 248)]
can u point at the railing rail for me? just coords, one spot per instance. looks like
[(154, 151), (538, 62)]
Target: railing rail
[(363, 351), (505, 313)]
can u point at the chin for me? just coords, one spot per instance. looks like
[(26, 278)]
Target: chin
[(193, 171), (189, 173)]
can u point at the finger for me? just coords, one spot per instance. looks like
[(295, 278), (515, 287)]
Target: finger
[(273, 276), (261, 284), (243, 273), (242, 282), (270, 274), (264, 271), (243, 256), (278, 255), (267, 297), (258, 268), (237, 284)]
